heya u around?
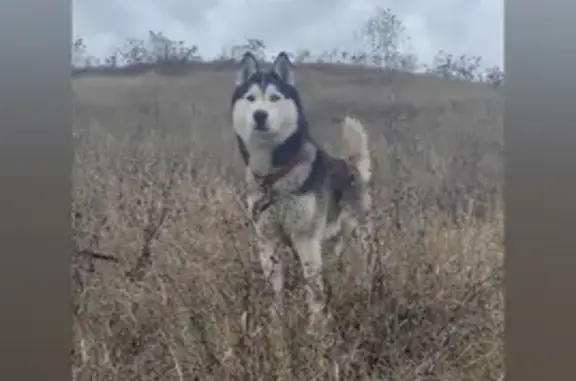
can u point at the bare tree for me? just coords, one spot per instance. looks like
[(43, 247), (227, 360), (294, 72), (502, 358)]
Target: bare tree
[(382, 36), (302, 55), (79, 52), (164, 49), (134, 52), (80, 56), (253, 45), (464, 67), (494, 75)]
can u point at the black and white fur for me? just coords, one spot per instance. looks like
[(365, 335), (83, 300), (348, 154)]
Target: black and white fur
[(319, 197)]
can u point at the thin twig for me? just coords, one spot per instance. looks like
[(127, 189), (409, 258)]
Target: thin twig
[(94, 255)]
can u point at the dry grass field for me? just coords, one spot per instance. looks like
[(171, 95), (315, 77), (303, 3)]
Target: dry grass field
[(178, 294)]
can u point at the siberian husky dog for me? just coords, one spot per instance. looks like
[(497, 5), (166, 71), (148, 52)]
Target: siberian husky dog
[(298, 195)]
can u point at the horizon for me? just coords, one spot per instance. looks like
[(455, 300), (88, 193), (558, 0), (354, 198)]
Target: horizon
[(291, 25)]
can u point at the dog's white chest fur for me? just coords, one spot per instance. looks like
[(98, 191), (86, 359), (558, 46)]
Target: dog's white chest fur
[(291, 214)]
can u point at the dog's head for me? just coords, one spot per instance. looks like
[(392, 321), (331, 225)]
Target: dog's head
[(265, 104)]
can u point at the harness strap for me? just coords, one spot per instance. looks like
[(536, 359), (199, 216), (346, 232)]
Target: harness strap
[(338, 172), (267, 181)]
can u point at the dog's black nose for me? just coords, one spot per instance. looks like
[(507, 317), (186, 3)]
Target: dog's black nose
[(260, 117)]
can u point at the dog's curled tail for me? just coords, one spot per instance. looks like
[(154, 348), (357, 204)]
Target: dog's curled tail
[(355, 147)]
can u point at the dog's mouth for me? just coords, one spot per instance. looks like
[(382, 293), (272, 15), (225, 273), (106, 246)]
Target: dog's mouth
[(263, 131), (261, 127), (264, 138)]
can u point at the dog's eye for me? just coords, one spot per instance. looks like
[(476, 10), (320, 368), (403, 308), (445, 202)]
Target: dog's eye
[(274, 98), (250, 98)]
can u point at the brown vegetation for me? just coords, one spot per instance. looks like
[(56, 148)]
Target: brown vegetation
[(166, 283)]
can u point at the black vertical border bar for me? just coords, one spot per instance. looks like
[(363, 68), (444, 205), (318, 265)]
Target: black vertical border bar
[(540, 199), (35, 189)]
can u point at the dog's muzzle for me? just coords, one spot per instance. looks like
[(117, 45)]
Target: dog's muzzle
[(260, 120)]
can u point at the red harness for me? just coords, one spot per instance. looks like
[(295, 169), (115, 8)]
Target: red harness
[(267, 181), (338, 172)]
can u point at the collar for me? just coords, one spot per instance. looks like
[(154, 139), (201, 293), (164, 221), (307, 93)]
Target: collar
[(266, 181), (269, 196)]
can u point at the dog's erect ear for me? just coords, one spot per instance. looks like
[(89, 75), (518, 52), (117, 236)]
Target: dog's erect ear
[(248, 67), (284, 68)]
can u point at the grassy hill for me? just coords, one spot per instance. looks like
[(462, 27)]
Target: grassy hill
[(180, 298)]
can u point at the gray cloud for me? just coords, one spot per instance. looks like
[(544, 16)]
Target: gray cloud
[(457, 26)]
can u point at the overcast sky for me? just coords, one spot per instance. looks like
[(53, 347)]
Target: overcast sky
[(457, 26)]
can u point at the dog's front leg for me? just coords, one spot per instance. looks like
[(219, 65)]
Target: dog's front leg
[(272, 267), (310, 255)]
